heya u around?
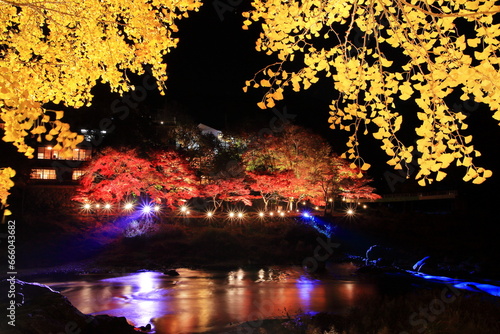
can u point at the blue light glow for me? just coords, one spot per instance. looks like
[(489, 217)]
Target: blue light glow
[(322, 227), (146, 209), (462, 284), (149, 209)]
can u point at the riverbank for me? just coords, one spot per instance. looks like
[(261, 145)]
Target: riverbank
[(71, 243), (107, 247)]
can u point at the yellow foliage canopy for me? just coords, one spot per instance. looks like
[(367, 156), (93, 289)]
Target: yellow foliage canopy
[(354, 42), (5, 184), (56, 51)]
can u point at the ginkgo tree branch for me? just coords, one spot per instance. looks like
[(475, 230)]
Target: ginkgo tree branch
[(441, 13), (429, 59), (56, 52)]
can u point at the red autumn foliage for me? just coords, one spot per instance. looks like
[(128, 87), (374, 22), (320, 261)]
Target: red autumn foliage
[(271, 185), (177, 182), (119, 174), (221, 190), (115, 175)]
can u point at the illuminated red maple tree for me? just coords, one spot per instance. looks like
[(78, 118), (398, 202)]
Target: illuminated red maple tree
[(120, 174), (311, 170), (335, 177), (115, 175), (221, 190), (354, 187), (271, 185), (177, 182)]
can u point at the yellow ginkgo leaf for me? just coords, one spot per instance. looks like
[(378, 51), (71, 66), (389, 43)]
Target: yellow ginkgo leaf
[(440, 175), (265, 83), (479, 180), (365, 166)]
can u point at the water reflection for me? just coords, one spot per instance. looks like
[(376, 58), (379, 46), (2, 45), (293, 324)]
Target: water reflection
[(197, 301)]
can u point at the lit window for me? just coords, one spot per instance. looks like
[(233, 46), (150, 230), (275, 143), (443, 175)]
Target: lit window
[(43, 174), (77, 174), (81, 154), (47, 153)]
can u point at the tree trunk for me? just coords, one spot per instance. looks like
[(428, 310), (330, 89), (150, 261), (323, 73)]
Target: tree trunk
[(266, 202)]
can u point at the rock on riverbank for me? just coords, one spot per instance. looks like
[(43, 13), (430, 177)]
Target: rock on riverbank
[(41, 310)]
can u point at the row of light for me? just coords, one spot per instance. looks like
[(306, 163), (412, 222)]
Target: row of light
[(150, 209), (145, 208), (240, 215), (232, 214)]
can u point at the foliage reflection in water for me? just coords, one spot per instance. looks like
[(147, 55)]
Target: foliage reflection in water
[(197, 300)]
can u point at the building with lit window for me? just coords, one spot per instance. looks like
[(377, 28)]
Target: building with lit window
[(50, 166)]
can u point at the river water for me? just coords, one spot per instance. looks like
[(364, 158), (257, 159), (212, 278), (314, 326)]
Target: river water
[(210, 300)]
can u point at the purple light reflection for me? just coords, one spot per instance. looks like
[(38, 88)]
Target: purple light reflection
[(197, 301)]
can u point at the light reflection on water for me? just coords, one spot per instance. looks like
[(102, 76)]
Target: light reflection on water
[(197, 300)]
